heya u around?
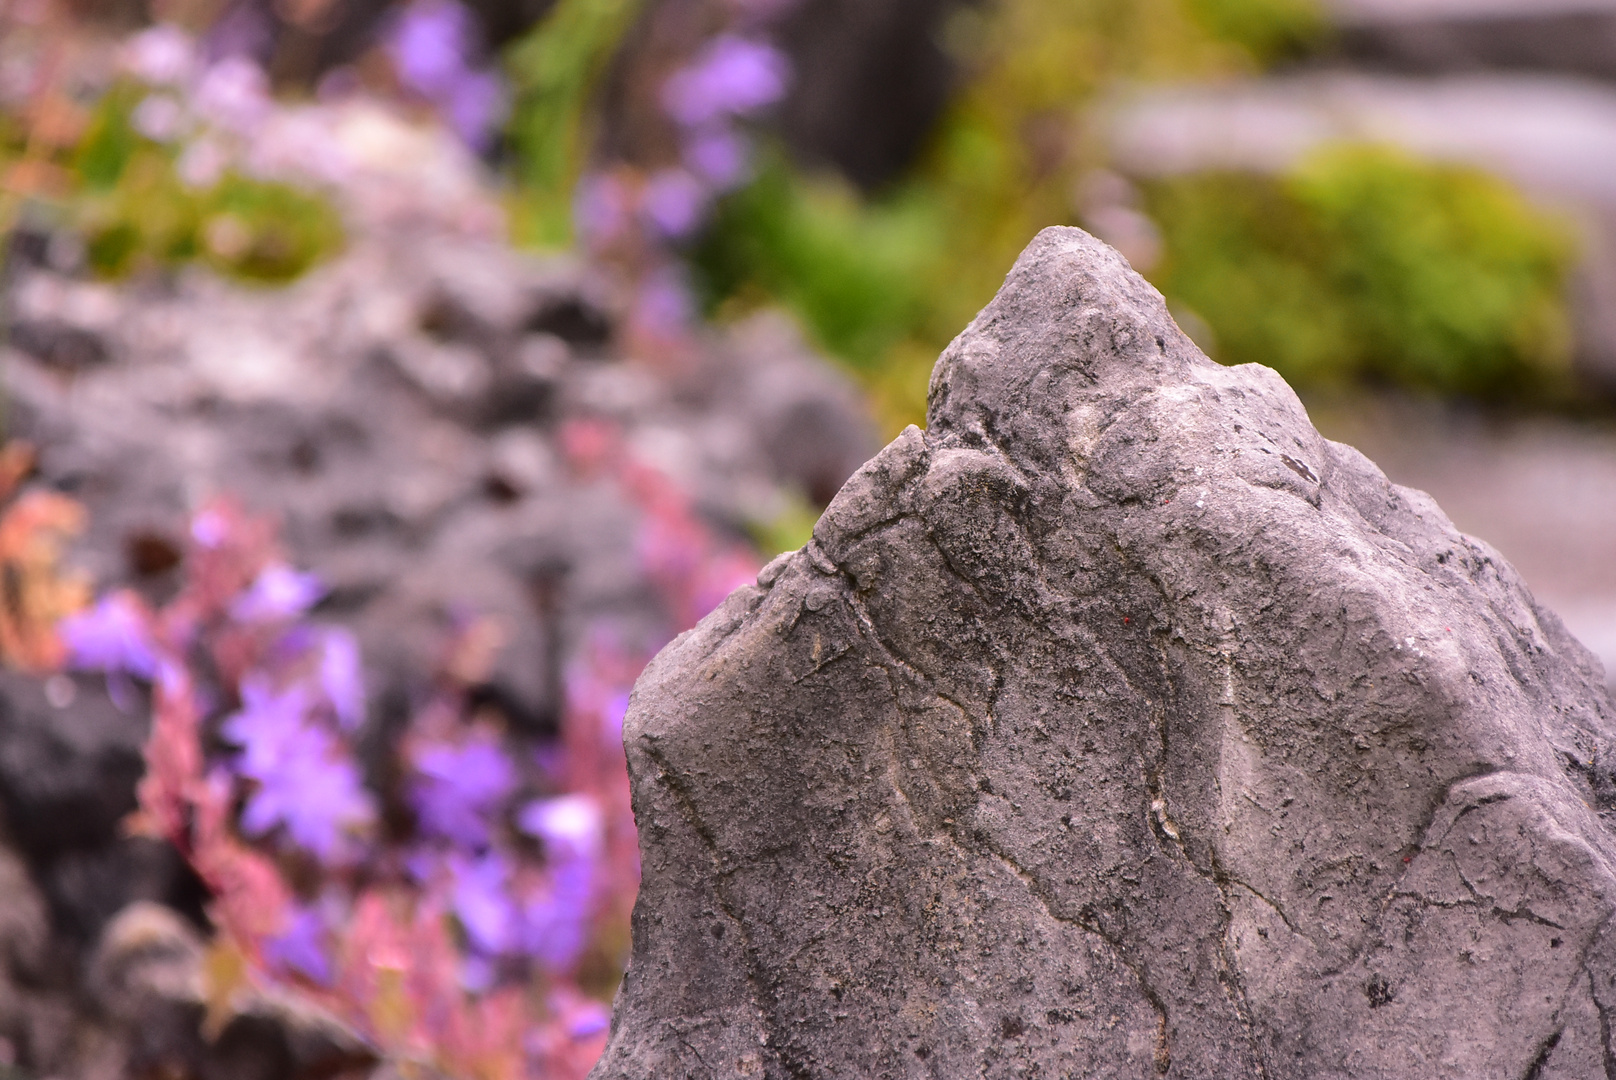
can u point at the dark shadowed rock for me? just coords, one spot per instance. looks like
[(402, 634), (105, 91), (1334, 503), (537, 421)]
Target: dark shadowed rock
[(1121, 725)]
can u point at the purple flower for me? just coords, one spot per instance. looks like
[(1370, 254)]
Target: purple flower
[(589, 1018), (301, 946), (673, 202), (475, 106), (265, 725), (457, 787), (477, 973), (210, 528), (556, 923), (313, 791), (663, 306), (340, 677), (570, 826), (719, 156), (428, 46), (611, 718), (278, 593), (481, 900), (304, 780), (113, 636), (731, 77)]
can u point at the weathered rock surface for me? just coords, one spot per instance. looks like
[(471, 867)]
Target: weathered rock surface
[(1121, 725)]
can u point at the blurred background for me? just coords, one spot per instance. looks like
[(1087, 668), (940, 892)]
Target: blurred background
[(385, 382)]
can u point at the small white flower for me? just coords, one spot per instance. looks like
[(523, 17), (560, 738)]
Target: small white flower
[(159, 118), (162, 56)]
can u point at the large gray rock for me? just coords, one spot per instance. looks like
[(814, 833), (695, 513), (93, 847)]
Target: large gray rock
[(1121, 725)]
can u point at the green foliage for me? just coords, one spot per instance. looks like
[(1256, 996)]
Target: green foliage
[(1366, 263), (109, 143), (886, 283), (789, 529), (1270, 30), (134, 210), (553, 72), (853, 273), (1360, 265), (265, 232)]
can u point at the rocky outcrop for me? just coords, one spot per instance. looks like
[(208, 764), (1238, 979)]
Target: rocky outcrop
[(402, 412), (1121, 725)]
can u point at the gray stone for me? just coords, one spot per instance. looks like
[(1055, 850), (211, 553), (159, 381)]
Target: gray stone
[(1121, 725), (1572, 36)]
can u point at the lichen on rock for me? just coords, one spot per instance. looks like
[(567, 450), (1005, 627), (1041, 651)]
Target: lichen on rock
[(1121, 725)]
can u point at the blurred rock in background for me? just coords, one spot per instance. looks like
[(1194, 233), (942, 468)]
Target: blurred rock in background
[(432, 417), (1577, 37)]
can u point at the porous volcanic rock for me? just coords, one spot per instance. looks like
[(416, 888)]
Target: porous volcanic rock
[(1121, 725)]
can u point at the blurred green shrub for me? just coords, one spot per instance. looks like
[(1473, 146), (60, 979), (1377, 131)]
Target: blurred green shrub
[(886, 282), (853, 272), (1366, 264), (124, 194), (1270, 30)]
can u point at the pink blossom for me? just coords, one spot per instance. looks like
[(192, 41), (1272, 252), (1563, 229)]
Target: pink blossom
[(601, 208), (162, 55), (673, 202), (203, 163), (159, 117), (234, 95), (210, 527)]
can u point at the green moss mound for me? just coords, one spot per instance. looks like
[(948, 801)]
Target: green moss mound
[(124, 194), (1365, 264)]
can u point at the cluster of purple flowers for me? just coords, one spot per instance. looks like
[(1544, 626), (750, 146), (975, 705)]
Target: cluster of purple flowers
[(526, 853), (730, 79), (297, 704), (470, 850), (433, 45)]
